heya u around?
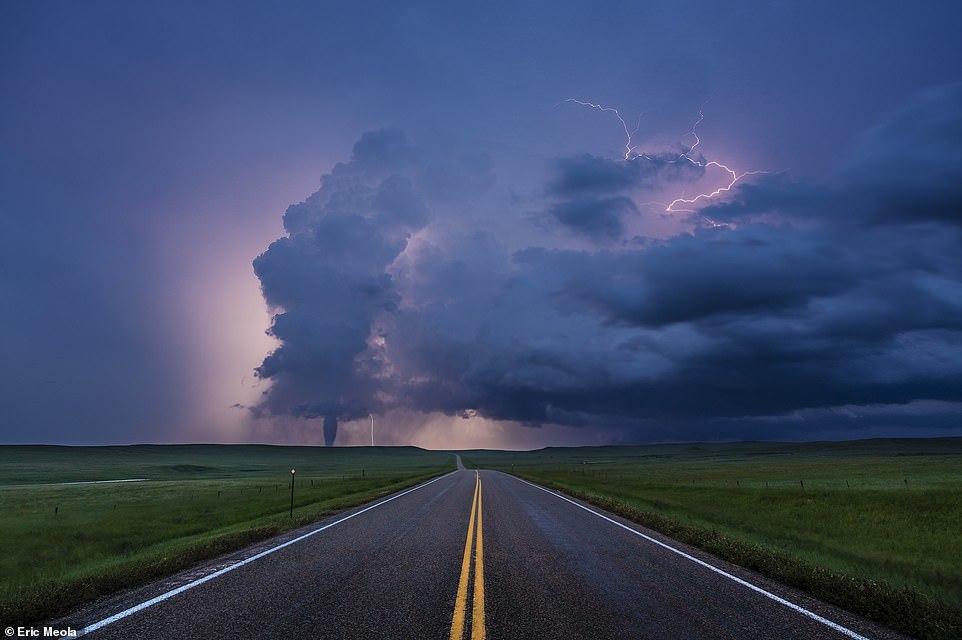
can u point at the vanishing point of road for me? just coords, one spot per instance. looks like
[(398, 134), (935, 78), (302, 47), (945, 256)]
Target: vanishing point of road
[(469, 555)]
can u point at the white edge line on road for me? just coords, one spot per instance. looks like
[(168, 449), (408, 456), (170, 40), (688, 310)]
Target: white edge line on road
[(190, 585), (105, 481), (745, 583)]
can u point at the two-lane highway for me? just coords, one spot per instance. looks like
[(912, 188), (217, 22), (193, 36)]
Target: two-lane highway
[(469, 555)]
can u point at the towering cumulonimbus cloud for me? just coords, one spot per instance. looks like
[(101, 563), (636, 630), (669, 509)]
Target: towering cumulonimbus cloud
[(327, 279), (393, 289)]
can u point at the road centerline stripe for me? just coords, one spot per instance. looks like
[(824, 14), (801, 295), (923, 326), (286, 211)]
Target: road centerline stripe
[(195, 583), (477, 617), (475, 536), (791, 605), (461, 600)]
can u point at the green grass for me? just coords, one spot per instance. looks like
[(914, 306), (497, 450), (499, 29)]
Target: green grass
[(876, 528), (62, 545)]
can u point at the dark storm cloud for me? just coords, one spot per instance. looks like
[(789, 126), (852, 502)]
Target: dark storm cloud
[(905, 170), (760, 269), (814, 296), (908, 167), (596, 218), (775, 193), (588, 174), (591, 189), (592, 174)]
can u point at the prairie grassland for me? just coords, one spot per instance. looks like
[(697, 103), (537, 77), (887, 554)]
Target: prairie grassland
[(875, 526), (61, 545)]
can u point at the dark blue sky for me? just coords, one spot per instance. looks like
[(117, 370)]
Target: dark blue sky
[(479, 265)]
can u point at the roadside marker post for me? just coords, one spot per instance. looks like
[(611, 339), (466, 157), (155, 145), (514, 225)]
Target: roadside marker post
[(292, 493)]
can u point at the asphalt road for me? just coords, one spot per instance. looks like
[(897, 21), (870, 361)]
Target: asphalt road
[(410, 567)]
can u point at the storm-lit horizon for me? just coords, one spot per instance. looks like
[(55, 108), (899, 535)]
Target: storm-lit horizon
[(480, 227)]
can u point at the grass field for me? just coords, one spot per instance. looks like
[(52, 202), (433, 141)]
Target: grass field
[(62, 545), (875, 526)]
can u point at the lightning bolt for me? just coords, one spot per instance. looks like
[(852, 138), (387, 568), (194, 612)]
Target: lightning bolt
[(629, 148), (631, 155), (735, 176)]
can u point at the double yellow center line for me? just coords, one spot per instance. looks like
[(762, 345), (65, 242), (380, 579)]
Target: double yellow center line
[(461, 602)]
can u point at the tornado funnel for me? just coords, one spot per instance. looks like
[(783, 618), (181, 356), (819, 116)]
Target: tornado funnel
[(330, 430)]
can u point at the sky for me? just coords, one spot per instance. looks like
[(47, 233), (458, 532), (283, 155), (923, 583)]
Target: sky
[(503, 225)]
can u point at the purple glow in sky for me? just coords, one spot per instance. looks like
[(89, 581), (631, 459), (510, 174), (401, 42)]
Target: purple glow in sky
[(440, 237)]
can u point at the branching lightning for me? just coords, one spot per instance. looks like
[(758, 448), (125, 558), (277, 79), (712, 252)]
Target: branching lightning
[(675, 205)]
